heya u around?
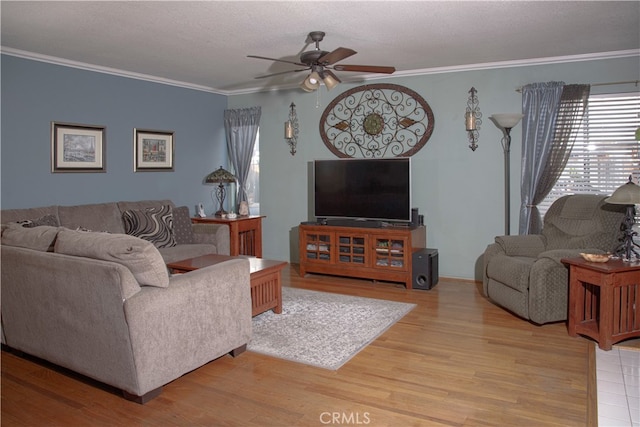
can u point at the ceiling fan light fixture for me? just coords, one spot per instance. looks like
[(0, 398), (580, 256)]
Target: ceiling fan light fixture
[(330, 80), (309, 84), (314, 78)]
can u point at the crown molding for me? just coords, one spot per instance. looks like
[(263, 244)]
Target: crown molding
[(105, 70), (409, 73)]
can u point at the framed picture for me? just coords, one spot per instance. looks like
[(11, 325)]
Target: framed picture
[(77, 148), (152, 150)]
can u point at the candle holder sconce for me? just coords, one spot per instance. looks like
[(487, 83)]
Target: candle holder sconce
[(291, 129), (473, 119)]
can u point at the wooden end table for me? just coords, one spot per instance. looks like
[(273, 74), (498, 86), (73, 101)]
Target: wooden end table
[(266, 284), (245, 233), (604, 300)]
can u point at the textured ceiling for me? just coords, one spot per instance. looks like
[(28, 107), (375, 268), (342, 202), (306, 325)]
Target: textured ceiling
[(205, 44)]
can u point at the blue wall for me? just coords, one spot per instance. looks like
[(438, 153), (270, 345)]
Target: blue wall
[(460, 192), (36, 93)]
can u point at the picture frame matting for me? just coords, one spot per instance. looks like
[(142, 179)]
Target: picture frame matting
[(153, 150), (77, 148)]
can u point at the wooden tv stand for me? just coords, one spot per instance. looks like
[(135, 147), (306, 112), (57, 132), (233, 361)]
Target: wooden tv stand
[(383, 253)]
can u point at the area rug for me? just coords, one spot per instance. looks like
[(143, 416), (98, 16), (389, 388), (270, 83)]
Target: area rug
[(323, 329)]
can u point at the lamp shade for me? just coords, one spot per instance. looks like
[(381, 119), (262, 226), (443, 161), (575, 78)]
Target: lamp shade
[(311, 83), (330, 80), (314, 78), (220, 176), (506, 120), (626, 194)]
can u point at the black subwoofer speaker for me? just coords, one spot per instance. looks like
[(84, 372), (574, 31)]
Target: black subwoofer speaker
[(424, 268)]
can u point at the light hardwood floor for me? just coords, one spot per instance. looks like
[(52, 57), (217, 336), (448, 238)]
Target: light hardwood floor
[(455, 360)]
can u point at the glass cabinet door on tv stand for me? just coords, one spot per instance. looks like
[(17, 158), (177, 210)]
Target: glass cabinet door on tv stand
[(390, 252), (352, 248), (317, 246)]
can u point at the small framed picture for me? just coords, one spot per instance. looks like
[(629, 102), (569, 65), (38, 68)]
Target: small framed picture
[(77, 148), (152, 150)]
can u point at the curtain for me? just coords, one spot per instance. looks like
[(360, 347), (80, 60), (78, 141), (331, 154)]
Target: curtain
[(241, 128), (553, 114), (540, 107)]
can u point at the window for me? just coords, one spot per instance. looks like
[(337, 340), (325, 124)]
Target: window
[(605, 152), (253, 180)]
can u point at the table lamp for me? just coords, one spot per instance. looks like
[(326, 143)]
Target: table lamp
[(220, 177), (627, 194)]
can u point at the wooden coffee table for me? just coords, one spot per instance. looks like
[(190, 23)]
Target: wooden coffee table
[(266, 284)]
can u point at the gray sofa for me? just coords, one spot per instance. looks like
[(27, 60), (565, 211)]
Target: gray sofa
[(102, 303), (525, 275)]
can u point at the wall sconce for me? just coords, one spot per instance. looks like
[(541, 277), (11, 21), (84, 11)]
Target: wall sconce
[(291, 129), (473, 119)]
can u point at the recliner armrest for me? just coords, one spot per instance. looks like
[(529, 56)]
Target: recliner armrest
[(525, 245), (557, 254)]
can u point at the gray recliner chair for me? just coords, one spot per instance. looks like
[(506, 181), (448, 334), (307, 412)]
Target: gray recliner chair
[(524, 274)]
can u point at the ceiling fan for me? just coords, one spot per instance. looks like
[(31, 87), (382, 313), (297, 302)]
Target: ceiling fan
[(321, 63)]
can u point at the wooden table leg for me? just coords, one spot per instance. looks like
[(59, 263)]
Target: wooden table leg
[(605, 325), (576, 303)]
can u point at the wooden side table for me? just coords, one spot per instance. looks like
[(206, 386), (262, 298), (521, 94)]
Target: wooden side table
[(245, 233), (604, 300)]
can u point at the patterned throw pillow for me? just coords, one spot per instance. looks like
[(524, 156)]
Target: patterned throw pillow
[(153, 224), (182, 226)]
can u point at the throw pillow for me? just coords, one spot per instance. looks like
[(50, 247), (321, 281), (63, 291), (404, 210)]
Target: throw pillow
[(50, 220), (138, 255), (153, 224), (37, 238), (182, 226)]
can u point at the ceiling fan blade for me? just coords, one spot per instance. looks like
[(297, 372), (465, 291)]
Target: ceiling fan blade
[(281, 72), (365, 68), (337, 55), (277, 60)]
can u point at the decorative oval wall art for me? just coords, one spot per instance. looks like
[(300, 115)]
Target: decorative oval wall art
[(376, 121)]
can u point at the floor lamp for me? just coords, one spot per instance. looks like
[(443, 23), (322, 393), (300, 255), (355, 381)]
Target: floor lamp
[(506, 122)]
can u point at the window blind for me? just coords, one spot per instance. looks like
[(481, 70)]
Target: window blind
[(605, 152)]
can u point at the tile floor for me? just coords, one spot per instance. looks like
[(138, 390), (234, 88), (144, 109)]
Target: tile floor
[(618, 382)]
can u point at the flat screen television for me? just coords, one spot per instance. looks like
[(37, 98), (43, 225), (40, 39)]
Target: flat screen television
[(363, 189)]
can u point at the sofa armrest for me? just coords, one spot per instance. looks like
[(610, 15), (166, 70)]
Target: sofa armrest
[(529, 245), (201, 316), (215, 234)]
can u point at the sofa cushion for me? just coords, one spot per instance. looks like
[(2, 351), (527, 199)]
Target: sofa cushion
[(50, 220), (138, 255), (182, 226), (95, 217), (39, 238), (152, 224), (14, 215)]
